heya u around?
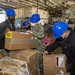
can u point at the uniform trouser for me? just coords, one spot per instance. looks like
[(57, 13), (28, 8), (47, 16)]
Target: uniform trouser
[(72, 68), (3, 52), (41, 63), (40, 48), (68, 67)]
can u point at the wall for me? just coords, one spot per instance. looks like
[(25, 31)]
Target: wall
[(19, 12), (43, 14), (27, 12)]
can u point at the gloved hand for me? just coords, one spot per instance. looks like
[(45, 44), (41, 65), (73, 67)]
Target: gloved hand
[(6, 30), (45, 52), (28, 31), (68, 73)]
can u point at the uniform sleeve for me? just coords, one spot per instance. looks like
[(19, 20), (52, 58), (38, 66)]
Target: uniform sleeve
[(2, 36), (39, 32), (2, 29), (53, 46)]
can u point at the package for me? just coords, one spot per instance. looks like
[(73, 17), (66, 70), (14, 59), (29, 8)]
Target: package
[(54, 64), (9, 66), (29, 55), (19, 40)]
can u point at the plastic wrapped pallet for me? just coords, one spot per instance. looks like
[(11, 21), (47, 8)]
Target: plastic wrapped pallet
[(9, 66)]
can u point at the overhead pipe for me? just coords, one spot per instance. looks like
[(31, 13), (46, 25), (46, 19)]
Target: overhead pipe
[(37, 6)]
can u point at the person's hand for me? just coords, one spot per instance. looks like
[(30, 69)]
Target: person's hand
[(45, 52), (68, 73), (6, 30), (28, 31)]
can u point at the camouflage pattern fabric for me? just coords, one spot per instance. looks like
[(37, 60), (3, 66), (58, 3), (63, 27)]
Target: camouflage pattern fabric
[(3, 52), (41, 68), (38, 32)]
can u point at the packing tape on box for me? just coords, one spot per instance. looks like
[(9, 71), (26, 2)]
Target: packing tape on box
[(20, 41)]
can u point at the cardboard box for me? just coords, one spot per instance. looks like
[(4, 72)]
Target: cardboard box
[(54, 64), (29, 55), (19, 40)]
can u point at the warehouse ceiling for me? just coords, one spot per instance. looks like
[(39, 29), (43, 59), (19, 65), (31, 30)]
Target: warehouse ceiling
[(40, 3), (52, 5)]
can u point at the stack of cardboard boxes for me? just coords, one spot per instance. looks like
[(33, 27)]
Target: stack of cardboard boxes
[(20, 45), (29, 55)]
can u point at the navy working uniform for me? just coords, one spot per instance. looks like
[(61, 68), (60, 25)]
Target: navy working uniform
[(38, 31)]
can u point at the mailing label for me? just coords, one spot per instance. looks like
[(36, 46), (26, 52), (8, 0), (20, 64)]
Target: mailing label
[(60, 61), (8, 34)]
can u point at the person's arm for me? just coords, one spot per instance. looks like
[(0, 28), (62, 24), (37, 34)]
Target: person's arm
[(2, 36), (53, 46), (48, 44), (39, 32)]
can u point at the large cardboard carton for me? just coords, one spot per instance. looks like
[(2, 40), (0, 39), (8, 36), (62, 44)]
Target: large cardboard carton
[(29, 55), (54, 64), (19, 40)]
